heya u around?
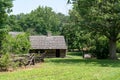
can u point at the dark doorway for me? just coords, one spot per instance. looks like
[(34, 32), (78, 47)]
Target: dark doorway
[(57, 53)]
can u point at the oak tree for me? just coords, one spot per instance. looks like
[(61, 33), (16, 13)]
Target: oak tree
[(103, 17)]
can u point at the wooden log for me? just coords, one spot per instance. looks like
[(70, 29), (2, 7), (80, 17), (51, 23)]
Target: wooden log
[(31, 60)]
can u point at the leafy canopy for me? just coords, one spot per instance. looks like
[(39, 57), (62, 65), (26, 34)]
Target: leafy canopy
[(5, 8)]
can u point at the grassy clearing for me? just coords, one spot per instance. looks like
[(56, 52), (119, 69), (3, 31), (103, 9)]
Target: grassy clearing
[(70, 68)]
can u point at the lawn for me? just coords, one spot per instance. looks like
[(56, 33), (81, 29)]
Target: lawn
[(70, 68)]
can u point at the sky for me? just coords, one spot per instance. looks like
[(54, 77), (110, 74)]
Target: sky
[(26, 6)]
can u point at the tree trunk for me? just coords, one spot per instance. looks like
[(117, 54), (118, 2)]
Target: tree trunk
[(112, 49)]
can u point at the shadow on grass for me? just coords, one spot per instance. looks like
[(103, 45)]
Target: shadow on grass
[(89, 62)]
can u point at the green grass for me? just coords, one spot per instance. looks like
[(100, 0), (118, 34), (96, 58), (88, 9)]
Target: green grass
[(70, 68)]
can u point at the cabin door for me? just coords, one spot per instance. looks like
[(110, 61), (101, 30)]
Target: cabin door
[(57, 52)]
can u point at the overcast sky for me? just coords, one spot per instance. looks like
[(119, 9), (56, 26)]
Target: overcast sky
[(25, 6)]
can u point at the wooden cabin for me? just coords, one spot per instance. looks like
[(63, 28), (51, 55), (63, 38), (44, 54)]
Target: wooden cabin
[(54, 46)]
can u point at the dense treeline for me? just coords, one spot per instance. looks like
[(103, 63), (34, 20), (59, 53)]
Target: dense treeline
[(39, 21)]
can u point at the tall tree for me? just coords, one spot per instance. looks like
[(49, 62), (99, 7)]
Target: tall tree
[(5, 8), (76, 37), (102, 16), (43, 20)]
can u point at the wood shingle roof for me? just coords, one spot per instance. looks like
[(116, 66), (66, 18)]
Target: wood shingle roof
[(48, 42)]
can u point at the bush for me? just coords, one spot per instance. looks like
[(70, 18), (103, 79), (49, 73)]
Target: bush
[(100, 49), (3, 33), (21, 44), (17, 44), (6, 62), (118, 46)]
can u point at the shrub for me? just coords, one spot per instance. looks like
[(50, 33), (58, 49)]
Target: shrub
[(6, 62), (21, 44), (118, 46), (100, 49), (3, 33)]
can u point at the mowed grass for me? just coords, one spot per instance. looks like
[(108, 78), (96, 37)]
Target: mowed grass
[(70, 68)]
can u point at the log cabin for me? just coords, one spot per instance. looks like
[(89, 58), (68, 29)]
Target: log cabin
[(54, 46)]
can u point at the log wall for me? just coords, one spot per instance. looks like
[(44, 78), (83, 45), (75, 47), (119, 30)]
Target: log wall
[(51, 53)]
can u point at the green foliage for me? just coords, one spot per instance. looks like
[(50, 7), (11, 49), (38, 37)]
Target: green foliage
[(76, 36), (118, 46), (13, 23), (5, 8), (81, 38), (21, 44), (18, 44), (76, 54), (100, 16), (7, 44), (3, 33), (101, 48), (45, 19), (39, 21), (4, 62)]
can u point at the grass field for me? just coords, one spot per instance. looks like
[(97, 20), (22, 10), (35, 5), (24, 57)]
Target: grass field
[(70, 68)]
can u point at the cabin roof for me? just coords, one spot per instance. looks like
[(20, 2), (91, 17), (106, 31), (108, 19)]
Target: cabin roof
[(48, 42)]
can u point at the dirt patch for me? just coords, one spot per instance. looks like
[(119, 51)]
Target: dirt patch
[(29, 67)]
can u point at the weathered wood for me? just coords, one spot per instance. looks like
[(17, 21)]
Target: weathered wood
[(40, 57), (43, 56), (20, 60), (31, 60)]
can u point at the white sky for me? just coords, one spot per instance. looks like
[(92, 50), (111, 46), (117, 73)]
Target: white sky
[(25, 6)]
